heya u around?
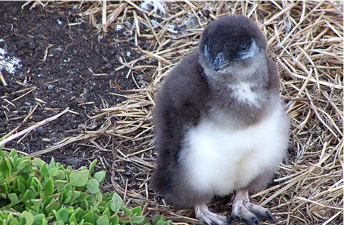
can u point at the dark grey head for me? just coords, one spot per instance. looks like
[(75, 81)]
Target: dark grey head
[(231, 39)]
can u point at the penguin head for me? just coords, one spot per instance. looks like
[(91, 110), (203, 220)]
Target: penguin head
[(231, 39)]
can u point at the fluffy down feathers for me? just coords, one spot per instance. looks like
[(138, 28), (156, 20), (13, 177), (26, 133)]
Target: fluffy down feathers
[(218, 131)]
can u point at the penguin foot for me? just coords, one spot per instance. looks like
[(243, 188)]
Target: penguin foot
[(205, 216), (246, 212)]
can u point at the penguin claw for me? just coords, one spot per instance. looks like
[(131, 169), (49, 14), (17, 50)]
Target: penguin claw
[(246, 212), (251, 214), (252, 221), (205, 216)]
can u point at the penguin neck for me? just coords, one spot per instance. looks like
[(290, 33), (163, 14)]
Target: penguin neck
[(243, 103)]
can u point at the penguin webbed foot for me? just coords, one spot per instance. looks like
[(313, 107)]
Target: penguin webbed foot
[(205, 216), (246, 212)]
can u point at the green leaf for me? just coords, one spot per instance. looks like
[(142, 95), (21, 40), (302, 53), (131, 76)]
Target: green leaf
[(44, 170), (160, 223), (27, 182), (72, 218), (32, 171), (13, 154), (29, 218), (52, 163), (136, 211), (145, 222), (9, 163), (3, 153), (60, 175), (107, 196), (116, 203), (2, 146), (13, 221), (78, 178), (60, 182), (49, 187), (96, 215), (137, 219), (24, 163), (67, 188), (126, 210), (27, 198), (68, 170), (96, 199), (2, 195), (53, 171), (67, 200), (79, 213), (92, 186), (67, 193), (54, 204), (9, 217), (4, 187), (21, 186), (104, 220), (158, 218), (36, 204), (5, 167), (99, 176), (38, 162), (82, 197), (13, 198), (62, 214), (114, 219), (89, 217), (36, 186), (92, 165), (106, 212), (40, 219)]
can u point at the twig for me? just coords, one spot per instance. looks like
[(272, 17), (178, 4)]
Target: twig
[(26, 118), (3, 81), (29, 129)]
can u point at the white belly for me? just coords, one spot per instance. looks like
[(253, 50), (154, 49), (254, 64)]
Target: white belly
[(219, 159)]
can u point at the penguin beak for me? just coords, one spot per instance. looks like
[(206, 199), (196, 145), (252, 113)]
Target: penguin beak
[(220, 62)]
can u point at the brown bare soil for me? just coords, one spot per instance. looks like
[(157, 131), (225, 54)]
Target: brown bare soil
[(63, 65)]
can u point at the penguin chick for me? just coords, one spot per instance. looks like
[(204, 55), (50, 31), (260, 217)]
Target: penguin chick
[(220, 126)]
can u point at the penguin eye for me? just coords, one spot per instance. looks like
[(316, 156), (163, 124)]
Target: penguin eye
[(244, 46)]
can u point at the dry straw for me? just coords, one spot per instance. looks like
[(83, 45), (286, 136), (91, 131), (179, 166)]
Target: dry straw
[(304, 38)]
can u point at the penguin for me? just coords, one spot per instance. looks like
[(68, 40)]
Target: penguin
[(219, 123)]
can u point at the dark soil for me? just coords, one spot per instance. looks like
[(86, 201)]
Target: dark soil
[(69, 65), (62, 62)]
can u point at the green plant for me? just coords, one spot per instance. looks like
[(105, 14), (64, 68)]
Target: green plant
[(32, 192)]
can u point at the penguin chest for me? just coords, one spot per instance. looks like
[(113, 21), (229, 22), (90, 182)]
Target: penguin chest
[(219, 159)]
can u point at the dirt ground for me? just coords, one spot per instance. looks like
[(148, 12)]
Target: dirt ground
[(63, 63), (65, 66)]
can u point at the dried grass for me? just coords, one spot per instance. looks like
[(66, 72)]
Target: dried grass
[(304, 38)]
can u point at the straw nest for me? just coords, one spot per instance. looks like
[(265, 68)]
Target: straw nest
[(306, 41)]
